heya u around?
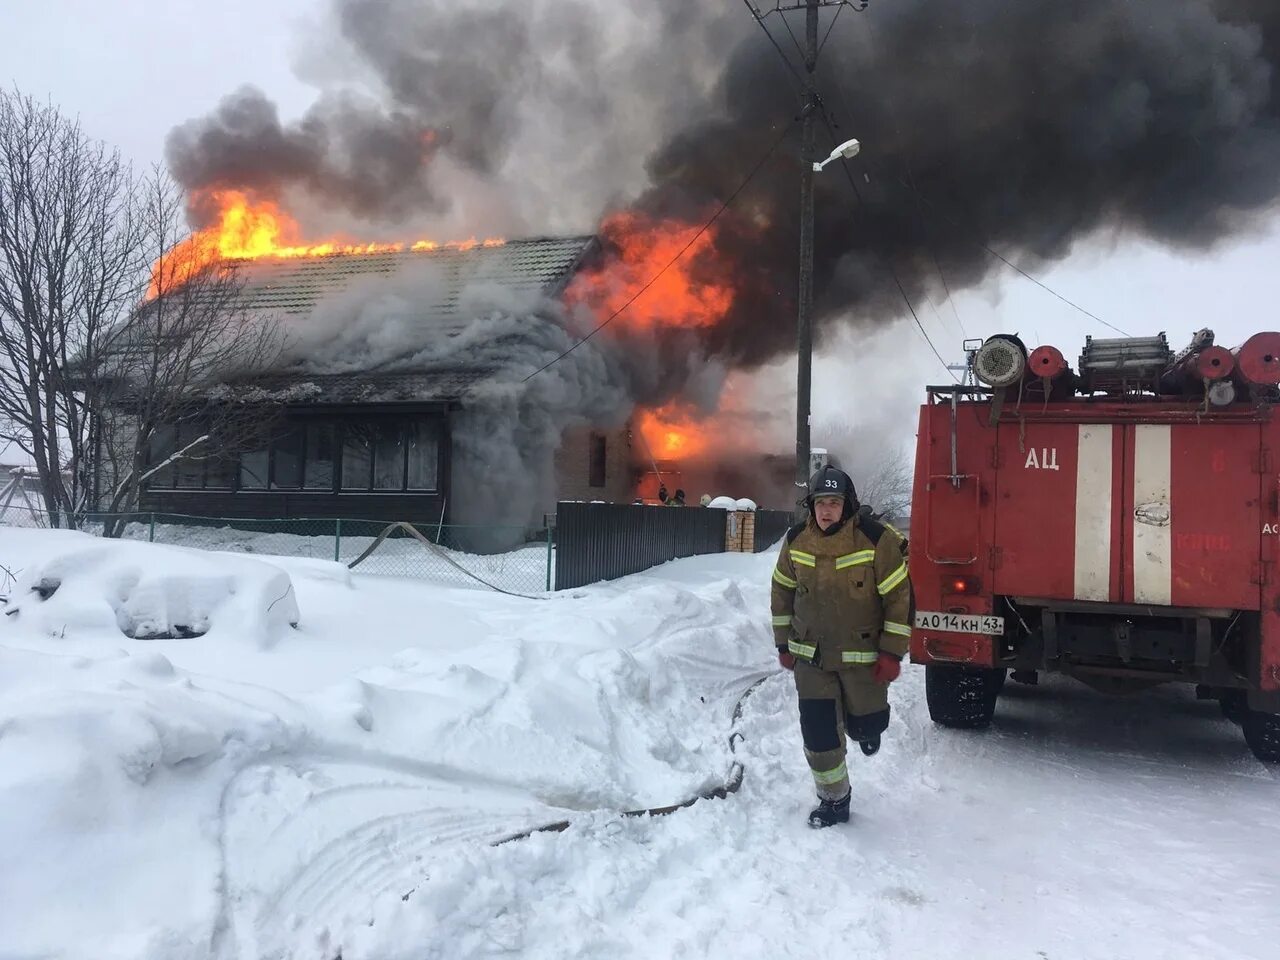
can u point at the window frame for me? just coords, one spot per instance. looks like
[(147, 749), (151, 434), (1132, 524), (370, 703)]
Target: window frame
[(597, 443)]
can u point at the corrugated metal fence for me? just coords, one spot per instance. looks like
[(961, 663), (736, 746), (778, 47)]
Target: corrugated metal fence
[(602, 541), (770, 526)]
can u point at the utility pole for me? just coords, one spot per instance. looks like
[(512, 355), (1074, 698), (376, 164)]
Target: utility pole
[(804, 332), (808, 117)]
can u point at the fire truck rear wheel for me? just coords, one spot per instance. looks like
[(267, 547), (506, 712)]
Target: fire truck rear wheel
[(1234, 706), (1262, 734), (962, 697)]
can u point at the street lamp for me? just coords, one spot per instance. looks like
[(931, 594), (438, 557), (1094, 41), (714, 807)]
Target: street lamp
[(847, 150)]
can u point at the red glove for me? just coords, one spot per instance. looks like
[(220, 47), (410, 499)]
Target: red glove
[(786, 659), (886, 669)]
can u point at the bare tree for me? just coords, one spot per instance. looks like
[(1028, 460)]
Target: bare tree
[(68, 263), (881, 469), (115, 326), (167, 364)]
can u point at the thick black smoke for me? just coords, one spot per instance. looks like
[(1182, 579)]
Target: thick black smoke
[(346, 149), (1027, 126)]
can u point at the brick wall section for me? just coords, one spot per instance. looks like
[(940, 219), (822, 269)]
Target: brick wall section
[(573, 462), (739, 531)]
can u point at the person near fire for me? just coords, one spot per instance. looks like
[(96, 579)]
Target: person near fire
[(840, 601)]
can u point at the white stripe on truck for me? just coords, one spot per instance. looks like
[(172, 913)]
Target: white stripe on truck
[(1093, 512), (1152, 522)]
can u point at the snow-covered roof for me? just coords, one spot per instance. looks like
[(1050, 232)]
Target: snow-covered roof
[(294, 287), (440, 286), (425, 386)]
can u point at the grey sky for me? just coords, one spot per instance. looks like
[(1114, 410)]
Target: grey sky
[(133, 70)]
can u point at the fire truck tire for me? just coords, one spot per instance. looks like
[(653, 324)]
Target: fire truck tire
[(1233, 706), (961, 697), (1262, 734)]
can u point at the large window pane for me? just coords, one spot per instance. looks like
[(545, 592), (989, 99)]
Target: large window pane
[(191, 467), (388, 457), (357, 456), (219, 472), (162, 446), (286, 467), (424, 455), (253, 469), (318, 470)]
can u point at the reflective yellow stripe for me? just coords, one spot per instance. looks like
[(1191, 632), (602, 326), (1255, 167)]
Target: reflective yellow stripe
[(858, 656), (892, 580), (782, 621), (828, 777), (901, 629), (802, 558), (855, 559), (802, 649), (782, 579)]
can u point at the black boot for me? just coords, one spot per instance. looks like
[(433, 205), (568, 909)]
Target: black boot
[(830, 812), (870, 746)]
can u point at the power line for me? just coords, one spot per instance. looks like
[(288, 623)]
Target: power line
[(979, 240), (839, 10), (783, 17), (683, 250), (885, 260), (933, 254), (1009, 263), (781, 53)]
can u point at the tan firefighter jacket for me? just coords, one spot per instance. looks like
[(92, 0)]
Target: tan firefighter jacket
[(840, 600)]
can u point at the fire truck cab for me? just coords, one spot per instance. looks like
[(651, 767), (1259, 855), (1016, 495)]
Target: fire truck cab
[(1118, 523)]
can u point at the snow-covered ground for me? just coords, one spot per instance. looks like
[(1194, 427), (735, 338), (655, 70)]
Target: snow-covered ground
[(266, 790)]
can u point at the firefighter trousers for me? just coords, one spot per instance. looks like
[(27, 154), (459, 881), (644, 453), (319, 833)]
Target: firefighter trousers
[(835, 704)]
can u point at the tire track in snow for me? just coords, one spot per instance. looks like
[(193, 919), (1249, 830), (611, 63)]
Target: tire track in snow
[(335, 873)]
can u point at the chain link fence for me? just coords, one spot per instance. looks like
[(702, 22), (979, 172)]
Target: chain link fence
[(511, 559)]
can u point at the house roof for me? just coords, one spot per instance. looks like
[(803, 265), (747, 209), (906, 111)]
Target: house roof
[(418, 386), (293, 288), (531, 266)]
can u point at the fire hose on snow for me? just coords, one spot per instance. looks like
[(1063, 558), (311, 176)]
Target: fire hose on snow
[(730, 785)]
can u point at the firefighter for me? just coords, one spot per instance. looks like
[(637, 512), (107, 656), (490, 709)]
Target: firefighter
[(840, 623)]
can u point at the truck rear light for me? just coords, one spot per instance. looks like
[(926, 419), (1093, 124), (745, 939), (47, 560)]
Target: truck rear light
[(962, 586)]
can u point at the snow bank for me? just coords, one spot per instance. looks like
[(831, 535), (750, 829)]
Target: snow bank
[(219, 795), (148, 592), (338, 791)]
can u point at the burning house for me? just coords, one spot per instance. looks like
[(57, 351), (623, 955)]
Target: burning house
[(391, 358)]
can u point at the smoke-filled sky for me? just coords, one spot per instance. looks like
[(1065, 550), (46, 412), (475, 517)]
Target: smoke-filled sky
[(1124, 151)]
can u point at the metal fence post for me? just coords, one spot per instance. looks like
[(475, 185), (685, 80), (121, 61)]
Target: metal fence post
[(337, 541), (151, 535), (548, 558)]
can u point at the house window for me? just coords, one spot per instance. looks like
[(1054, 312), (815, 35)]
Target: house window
[(201, 470), (254, 467), (390, 455), (286, 461), (357, 456), (317, 471), (163, 441), (597, 460), (424, 455)]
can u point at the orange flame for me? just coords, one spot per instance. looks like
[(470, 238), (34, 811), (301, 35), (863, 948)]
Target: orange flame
[(694, 291), (248, 229), (671, 433)]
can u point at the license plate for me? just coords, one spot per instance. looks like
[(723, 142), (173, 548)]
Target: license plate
[(959, 622)]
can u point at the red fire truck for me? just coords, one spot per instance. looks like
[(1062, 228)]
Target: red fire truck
[(1117, 523)]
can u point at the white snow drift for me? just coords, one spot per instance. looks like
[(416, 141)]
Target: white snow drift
[(261, 790)]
